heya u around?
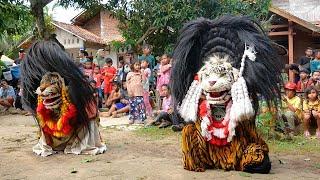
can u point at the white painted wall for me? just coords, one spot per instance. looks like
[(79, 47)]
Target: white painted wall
[(67, 39)]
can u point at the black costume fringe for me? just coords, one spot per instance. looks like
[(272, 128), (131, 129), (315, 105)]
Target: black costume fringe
[(226, 36), (47, 56)]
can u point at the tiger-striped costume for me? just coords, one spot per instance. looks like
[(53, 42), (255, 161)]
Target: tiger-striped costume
[(245, 150), (220, 67)]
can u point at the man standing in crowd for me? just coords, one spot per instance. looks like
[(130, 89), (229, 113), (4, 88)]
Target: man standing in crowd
[(20, 58), (146, 49), (304, 61)]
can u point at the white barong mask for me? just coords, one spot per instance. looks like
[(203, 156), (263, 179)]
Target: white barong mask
[(219, 82)]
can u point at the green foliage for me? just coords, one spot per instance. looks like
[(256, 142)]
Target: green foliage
[(15, 18), (157, 22), (15, 23)]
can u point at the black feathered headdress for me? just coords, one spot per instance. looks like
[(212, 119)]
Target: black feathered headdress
[(47, 56), (226, 36)]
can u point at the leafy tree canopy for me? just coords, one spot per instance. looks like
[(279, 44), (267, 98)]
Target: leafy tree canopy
[(15, 22), (157, 22)]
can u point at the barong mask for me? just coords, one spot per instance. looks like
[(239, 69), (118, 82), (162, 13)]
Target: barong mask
[(223, 66), (50, 90)]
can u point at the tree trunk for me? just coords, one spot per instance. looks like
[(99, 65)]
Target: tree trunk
[(146, 34), (37, 11)]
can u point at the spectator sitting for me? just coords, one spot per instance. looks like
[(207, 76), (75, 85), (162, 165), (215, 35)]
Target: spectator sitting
[(123, 105), (164, 116), (290, 114), (311, 107), (304, 81), (315, 64), (114, 96), (7, 95), (316, 79)]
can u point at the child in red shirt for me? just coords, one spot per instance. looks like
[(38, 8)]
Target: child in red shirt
[(304, 81), (109, 73)]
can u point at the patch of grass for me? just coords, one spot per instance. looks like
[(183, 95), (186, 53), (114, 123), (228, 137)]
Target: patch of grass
[(244, 174), (317, 165), (299, 145), (154, 133)]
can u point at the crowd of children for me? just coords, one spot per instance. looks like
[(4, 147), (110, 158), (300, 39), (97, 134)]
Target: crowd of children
[(297, 111), (301, 104), (132, 88)]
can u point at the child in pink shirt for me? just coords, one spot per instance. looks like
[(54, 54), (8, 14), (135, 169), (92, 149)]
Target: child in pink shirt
[(135, 91), (98, 78), (146, 73), (165, 115), (164, 72)]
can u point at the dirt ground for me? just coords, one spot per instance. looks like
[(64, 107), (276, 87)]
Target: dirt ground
[(130, 155)]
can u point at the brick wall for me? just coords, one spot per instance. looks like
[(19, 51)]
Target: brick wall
[(93, 25), (109, 26)]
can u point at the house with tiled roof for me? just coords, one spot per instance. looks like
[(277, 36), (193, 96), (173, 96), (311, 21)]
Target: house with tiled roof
[(295, 26), (93, 30)]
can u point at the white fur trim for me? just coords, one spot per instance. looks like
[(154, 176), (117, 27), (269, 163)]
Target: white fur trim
[(241, 108), (219, 132), (189, 107), (204, 128)]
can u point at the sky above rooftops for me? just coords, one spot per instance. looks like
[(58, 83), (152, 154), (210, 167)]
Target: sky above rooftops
[(64, 15), (61, 14)]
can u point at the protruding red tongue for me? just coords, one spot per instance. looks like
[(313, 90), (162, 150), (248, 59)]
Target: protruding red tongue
[(215, 94)]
